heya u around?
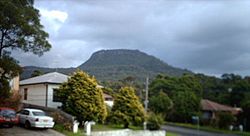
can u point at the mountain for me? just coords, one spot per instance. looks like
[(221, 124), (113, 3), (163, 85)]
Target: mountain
[(110, 65), (28, 70)]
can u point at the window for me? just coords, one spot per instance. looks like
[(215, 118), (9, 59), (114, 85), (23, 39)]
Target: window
[(24, 112), (38, 113), (55, 95), (25, 93)]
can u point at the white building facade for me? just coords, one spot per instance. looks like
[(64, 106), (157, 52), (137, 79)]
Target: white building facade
[(41, 90)]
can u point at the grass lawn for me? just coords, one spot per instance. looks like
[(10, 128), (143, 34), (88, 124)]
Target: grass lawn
[(171, 134), (210, 129), (97, 127), (60, 128)]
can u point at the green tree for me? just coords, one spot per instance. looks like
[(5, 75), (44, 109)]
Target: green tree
[(161, 103), (36, 73), (127, 108), (186, 105), (154, 121), (82, 98), (20, 27), (225, 119), (8, 69)]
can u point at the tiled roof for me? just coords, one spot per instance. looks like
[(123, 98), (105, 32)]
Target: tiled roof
[(54, 77), (208, 105)]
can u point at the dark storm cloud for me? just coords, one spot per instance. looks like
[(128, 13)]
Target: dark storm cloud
[(204, 36)]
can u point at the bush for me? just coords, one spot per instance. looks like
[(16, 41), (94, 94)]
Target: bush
[(225, 119), (155, 121), (13, 102)]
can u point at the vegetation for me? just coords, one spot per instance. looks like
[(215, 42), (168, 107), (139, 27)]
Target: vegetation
[(20, 28), (186, 105), (225, 119), (114, 65), (127, 109), (161, 104), (60, 128), (155, 121), (36, 73), (80, 96)]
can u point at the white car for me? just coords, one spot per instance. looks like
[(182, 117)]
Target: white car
[(35, 118)]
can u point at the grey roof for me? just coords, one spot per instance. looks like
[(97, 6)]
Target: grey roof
[(54, 78)]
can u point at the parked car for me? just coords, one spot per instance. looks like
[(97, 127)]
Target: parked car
[(8, 117), (35, 118)]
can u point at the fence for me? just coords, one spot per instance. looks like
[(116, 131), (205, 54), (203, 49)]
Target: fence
[(127, 132)]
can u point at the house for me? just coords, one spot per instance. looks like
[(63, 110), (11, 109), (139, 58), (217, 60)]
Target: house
[(41, 90), (108, 100), (210, 109), (14, 84)]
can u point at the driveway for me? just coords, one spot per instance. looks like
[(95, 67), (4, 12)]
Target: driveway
[(20, 131), (191, 132)]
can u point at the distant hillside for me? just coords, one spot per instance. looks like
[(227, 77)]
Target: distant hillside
[(28, 70), (118, 64), (110, 65)]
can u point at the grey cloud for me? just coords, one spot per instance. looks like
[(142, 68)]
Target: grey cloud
[(204, 36)]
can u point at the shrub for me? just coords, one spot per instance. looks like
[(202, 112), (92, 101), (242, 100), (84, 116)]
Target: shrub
[(225, 119), (127, 108), (12, 102), (155, 121)]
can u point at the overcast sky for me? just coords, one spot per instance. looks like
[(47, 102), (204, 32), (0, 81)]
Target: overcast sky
[(212, 37)]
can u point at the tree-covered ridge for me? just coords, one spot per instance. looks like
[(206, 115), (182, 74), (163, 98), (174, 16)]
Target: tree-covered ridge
[(114, 65)]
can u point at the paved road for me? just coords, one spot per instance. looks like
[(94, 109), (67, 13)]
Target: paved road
[(191, 132), (20, 131)]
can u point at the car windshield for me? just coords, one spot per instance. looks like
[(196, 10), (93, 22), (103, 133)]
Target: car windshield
[(7, 112), (38, 113)]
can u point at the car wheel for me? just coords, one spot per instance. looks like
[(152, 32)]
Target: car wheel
[(27, 124), (10, 126)]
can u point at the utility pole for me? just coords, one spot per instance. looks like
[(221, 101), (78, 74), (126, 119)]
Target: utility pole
[(146, 103)]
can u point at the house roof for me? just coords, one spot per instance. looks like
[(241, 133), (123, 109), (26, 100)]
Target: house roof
[(208, 105), (107, 96), (53, 78)]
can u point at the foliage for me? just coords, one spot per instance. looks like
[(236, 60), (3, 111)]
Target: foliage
[(171, 85), (246, 112), (36, 73), (127, 108), (82, 98), (20, 27), (9, 67), (186, 105), (13, 101), (225, 119), (161, 103), (155, 121)]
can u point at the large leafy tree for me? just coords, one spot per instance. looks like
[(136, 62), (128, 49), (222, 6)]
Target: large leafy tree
[(8, 69), (186, 105), (171, 85), (82, 98), (20, 28), (161, 103), (127, 108)]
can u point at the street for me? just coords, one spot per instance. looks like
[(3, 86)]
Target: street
[(20, 131), (191, 132)]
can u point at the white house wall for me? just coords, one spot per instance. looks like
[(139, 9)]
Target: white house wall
[(36, 94), (50, 96)]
